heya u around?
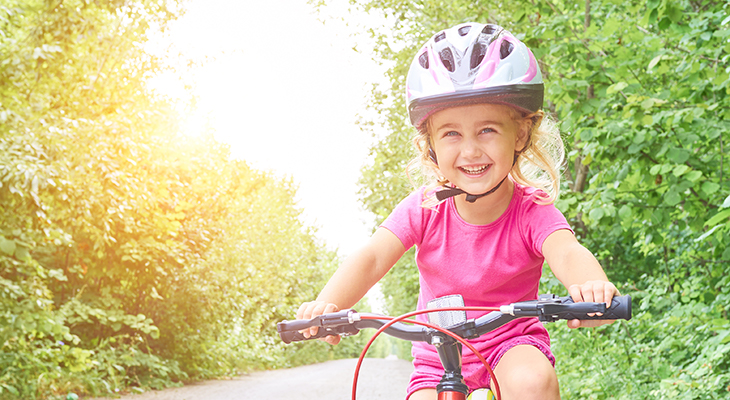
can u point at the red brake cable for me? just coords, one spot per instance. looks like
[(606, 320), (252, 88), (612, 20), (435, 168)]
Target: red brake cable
[(393, 320)]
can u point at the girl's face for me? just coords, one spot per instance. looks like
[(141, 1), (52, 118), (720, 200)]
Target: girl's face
[(475, 145)]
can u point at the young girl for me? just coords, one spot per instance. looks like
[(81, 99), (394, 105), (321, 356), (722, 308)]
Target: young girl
[(485, 226)]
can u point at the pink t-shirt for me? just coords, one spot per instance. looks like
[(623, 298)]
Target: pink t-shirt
[(489, 265)]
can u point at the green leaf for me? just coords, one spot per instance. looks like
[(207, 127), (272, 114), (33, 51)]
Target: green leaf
[(675, 13), (655, 61), (640, 137), (7, 246), (10, 389), (672, 198), (625, 212), (22, 253), (616, 87), (707, 234), (664, 23), (634, 148), (694, 176), (710, 187), (679, 170), (596, 214), (723, 215), (679, 156)]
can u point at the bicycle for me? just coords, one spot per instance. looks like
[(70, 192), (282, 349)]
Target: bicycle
[(449, 329)]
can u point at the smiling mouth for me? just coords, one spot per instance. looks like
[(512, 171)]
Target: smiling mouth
[(474, 171)]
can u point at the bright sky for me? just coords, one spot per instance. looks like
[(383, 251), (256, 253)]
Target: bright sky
[(284, 90)]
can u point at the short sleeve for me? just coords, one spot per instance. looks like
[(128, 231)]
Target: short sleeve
[(407, 220), (539, 222)]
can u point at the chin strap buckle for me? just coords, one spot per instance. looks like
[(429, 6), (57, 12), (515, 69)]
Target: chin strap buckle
[(447, 192)]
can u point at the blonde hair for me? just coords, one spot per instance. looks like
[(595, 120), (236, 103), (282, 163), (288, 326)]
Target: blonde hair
[(537, 165)]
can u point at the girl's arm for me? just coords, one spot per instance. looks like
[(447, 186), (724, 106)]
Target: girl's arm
[(352, 280), (579, 271)]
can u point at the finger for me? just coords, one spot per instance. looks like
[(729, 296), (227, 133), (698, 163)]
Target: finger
[(598, 292), (301, 310), (612, 292), (302, 313), (587, 291), (308, 311), (595, 323), (330, 308), (574, 323), (588, 324), (602, 293), (332, 339), (317, 310), (575, 293), (587, 294)]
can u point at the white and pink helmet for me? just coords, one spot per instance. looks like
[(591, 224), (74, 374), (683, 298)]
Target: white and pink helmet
[(472, 63)]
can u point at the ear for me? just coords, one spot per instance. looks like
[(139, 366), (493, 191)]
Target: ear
[(522, 139)]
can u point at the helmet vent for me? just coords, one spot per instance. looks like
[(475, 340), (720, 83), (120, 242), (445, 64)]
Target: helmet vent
[(505, 49), (477, 55), (447, 58), (489, 29), (464, 30), (441, 36), (423, 60)]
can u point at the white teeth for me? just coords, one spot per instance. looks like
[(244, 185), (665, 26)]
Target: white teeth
[(474, 171)]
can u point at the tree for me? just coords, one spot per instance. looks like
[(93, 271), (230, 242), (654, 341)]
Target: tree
[(130, 256), (640, 90)]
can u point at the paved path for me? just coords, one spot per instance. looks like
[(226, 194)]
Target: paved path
[(382, 379)]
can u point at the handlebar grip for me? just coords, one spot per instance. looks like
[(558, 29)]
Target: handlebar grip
[(291, 336), (329, 324), (620, 309), (294, 336), (298, 325)]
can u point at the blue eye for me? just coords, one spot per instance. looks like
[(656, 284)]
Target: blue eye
[(487, 130), (451, 133)]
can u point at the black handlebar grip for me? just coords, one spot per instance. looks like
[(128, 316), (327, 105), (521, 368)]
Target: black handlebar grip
[(620, 309), (291, 336), (298, 325), (294, 336), (289, 330)]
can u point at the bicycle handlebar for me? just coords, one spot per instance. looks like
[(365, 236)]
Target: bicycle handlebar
[(548, 308)]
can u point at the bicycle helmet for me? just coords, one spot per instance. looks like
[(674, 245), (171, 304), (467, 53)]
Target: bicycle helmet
[(472, 63)]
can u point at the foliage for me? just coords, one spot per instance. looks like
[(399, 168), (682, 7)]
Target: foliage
[(640, 90), (130, 257), (654, 355)]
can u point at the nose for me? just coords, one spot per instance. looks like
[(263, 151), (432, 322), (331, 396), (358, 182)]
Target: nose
[(470, 149)]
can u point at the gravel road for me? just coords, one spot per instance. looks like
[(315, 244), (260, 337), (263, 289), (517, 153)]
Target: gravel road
[(382, 379)]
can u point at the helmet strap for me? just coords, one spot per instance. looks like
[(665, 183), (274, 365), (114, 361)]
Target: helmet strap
[(442, 195)]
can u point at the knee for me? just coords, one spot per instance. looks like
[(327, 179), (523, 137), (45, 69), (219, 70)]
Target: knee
[(525, 373), (529, 382)]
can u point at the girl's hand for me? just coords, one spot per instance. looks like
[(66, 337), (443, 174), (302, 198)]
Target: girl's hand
[(592, 291), (314, 309)]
